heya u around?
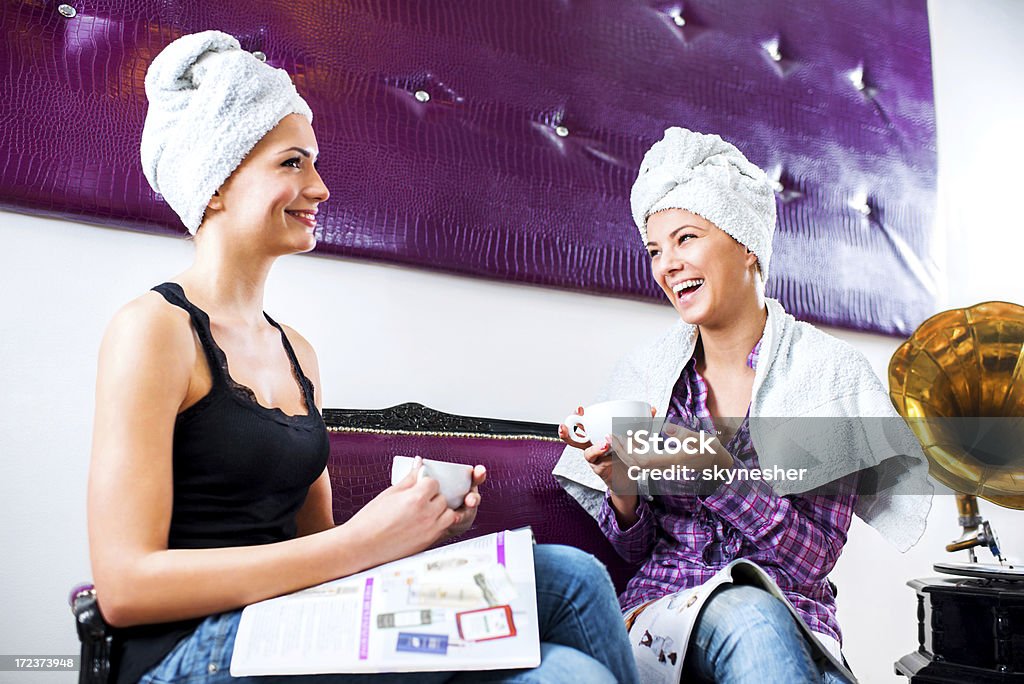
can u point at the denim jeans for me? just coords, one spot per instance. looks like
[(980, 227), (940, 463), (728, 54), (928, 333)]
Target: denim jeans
[(745, 635), (582, 637)]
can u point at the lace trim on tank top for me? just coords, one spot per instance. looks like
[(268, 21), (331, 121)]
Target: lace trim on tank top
[(217, 360)]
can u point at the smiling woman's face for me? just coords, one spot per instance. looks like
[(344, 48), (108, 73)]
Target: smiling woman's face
[(703, 271), (272, 198)]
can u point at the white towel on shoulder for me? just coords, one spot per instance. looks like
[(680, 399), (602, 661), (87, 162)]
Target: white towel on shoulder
[(801, 372)]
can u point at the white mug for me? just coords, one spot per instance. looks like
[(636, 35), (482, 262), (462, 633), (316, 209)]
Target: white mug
[(455, 479), (607, 418)]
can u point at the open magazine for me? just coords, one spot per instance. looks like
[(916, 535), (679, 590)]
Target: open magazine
[(467, 606), (661, 631)]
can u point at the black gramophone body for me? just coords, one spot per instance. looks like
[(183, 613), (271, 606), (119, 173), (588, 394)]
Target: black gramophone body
[(959, 382)]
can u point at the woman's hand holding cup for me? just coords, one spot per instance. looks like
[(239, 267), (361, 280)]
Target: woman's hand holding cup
[(602, 453), (600, 456)]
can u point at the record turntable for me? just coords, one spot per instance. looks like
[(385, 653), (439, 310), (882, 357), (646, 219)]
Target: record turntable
[(959, 383)]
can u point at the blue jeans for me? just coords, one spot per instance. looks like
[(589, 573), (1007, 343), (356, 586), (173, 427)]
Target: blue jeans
[(745, 635), (581, 631)]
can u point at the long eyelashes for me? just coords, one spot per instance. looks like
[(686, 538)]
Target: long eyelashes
[(296, 162), (682, 238)]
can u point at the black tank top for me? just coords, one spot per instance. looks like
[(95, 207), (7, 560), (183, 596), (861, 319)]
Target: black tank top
[(241, 473)]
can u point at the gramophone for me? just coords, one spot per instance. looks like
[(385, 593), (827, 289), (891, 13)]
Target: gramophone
[(959, 383)]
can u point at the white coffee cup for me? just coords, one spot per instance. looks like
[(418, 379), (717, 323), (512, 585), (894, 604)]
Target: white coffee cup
[(609, 418), (454, 479)]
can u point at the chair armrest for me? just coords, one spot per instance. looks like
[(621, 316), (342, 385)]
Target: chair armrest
[(96, 636)]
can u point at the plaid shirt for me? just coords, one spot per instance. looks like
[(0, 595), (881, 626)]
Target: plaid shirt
[(686, 539)]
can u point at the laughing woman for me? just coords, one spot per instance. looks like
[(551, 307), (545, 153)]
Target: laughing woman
[(208, 487), (706, 216)]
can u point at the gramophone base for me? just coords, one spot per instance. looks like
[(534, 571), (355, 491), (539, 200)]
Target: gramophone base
[(919, 668), (969, 630)]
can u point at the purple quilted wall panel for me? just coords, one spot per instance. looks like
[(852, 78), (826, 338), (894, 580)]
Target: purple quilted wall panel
[(500, 139)]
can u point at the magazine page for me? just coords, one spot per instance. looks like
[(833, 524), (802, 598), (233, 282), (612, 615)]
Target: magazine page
[(661, 632), (467, 606)]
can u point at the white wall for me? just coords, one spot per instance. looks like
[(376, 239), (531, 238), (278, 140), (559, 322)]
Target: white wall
[(389, 334)]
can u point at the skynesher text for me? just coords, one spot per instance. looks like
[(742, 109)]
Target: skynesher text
[(716, 473)]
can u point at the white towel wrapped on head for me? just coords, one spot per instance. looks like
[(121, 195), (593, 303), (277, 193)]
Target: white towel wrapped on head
[(210, 102), (705, 175)]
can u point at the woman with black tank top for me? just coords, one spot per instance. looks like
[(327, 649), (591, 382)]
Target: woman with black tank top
[(208, 487)]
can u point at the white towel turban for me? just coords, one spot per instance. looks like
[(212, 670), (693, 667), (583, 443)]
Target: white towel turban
[(210, 102), (711, 178)]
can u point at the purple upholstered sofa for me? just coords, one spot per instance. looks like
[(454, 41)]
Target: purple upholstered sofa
[(519, 456), (519, 491)]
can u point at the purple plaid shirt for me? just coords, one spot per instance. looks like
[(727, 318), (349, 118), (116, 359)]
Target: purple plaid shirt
[(686, 539)]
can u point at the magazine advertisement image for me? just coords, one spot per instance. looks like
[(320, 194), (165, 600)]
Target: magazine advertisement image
[(469, 605)]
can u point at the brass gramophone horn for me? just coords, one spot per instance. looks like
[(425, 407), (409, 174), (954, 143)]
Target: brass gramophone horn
[(967, 364)]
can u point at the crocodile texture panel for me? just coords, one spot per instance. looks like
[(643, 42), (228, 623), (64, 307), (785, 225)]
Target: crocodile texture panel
[(519, 490), (500, 139)]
